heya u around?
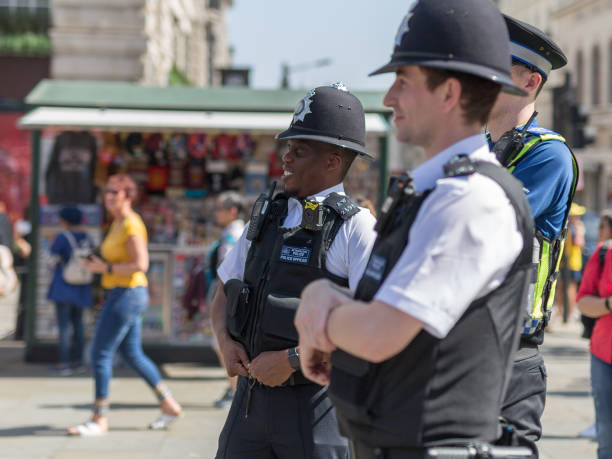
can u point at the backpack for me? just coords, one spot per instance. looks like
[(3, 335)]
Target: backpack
[(589, 322), (73, 272), (8, 277)]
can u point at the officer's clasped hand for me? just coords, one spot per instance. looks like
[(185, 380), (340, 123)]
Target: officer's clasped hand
[(315, 364), (235, 358), (271, 368)]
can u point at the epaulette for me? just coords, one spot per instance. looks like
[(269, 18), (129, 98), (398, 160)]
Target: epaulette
[(459, 166), (344, 206)]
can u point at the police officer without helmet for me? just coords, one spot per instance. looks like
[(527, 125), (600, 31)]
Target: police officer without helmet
[(422, 352), (541, 160), (311, 231)]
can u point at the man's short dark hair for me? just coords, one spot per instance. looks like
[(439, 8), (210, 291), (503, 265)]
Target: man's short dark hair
[(348, 156), (477, 94), (532, 69)]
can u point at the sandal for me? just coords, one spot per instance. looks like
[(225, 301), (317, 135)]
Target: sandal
[(88, 429), (163, 421)]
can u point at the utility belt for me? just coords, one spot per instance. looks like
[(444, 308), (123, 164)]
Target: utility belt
[(257, 328), (445, 450)]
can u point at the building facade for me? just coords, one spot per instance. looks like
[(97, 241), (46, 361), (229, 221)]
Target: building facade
[(151, 42)]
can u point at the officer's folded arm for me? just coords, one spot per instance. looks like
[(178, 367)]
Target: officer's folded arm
[(355, 327), (328, 319)]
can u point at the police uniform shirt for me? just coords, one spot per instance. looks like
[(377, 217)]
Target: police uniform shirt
[(347, 256), (461, 244), (547, 174)]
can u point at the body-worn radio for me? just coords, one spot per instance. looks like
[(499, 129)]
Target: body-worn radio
[(259, 212), (511, 143)]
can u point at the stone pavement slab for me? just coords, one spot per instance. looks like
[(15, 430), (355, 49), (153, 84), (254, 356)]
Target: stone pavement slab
[(37, 407)]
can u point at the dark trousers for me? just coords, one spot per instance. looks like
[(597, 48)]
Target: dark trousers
[(293, 422), (70, 349), (525, 399)]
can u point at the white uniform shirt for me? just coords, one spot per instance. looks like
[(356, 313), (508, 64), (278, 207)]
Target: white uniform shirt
[(347, 256), (461, 245)]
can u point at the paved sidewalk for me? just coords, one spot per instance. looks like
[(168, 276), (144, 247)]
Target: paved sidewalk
[(37, 407)]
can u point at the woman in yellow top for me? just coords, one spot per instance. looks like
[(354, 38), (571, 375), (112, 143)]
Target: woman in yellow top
[(123, 267)]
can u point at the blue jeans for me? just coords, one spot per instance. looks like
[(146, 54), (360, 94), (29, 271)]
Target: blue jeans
[(119, 327), (67, 314), (601, 383)]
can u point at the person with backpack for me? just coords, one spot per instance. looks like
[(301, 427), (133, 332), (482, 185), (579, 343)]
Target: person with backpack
[(71, 295), (593, 300)]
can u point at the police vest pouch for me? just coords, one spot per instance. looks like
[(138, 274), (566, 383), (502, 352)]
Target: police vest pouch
[(237, 310), (277, 323)]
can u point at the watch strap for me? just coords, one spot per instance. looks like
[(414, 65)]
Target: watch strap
[(294, 358)]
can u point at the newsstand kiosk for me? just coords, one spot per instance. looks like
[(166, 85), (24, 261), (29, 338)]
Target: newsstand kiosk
[(182, 146)]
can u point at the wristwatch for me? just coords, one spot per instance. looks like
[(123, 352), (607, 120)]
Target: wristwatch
[(294, 358)]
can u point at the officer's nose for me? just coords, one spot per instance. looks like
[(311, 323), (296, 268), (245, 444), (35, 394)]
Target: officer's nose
[(389, 99), (287, 157)]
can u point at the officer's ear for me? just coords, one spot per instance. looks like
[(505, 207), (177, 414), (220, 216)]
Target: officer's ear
[(334, 160), (451, 93), (533, 82)]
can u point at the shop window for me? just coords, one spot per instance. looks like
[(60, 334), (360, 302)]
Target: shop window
[(595, 76)]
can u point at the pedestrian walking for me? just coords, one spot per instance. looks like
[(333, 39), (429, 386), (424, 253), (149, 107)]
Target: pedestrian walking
[(124, 262), (593, 301)]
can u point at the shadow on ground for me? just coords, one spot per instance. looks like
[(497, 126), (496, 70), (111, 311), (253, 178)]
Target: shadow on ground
[(126, 406)]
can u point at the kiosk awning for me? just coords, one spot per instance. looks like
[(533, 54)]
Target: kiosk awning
[(163, 120)]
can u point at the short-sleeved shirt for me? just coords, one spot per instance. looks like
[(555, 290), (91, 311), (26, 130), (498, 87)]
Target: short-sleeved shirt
[(461, 245), (547, 174), (347, 256), (598, 282), (59, 290), (114, 250)]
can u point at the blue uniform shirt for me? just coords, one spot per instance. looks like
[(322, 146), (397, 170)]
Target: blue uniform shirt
[(59, 290), (547, 174)]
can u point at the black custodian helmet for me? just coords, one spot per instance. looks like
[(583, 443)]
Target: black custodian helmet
[(467, 36), (329, 114)]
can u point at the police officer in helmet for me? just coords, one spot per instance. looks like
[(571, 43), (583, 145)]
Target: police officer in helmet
[(542, 161), (310, 231), (421, 354)]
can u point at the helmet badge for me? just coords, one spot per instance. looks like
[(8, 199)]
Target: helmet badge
[(340, 86), (303, 107), (403, 28)]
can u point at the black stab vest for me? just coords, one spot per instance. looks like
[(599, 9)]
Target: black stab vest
[(279, 264), (436, 389)]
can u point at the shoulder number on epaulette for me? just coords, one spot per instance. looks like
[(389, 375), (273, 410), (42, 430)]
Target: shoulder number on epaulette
[(342, 205)]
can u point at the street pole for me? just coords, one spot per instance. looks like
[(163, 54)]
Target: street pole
[(32, 277)]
